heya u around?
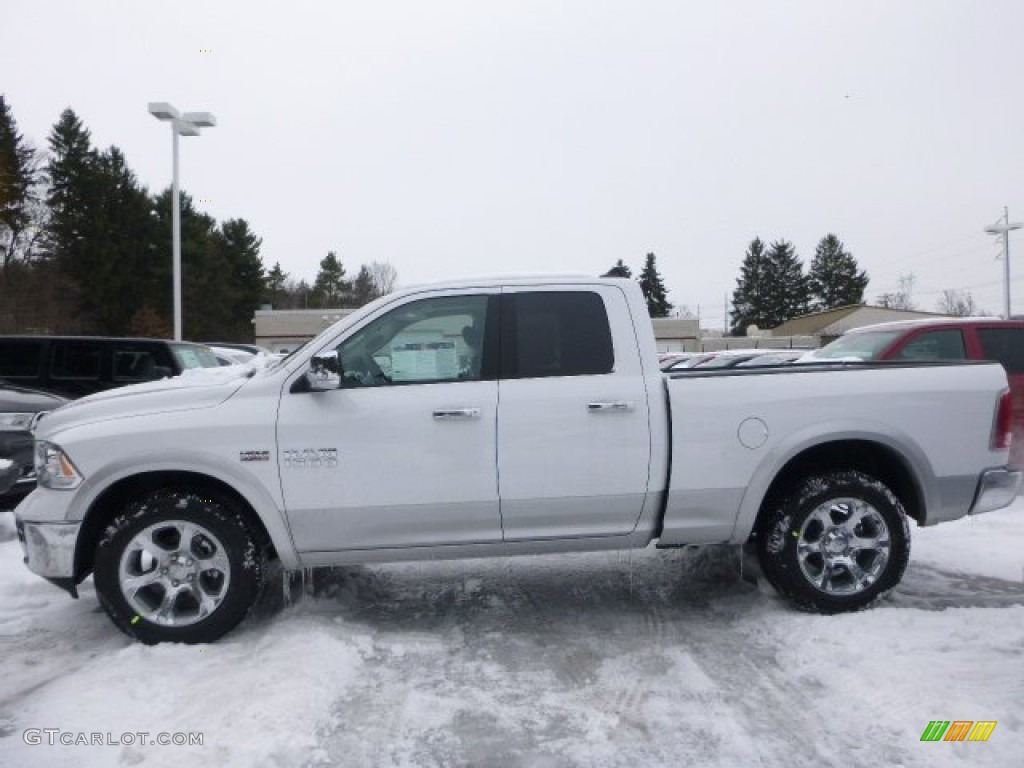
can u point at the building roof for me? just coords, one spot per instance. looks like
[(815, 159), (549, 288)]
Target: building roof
[(835, 322)]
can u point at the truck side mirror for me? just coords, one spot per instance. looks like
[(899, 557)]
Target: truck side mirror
[(324, 372)]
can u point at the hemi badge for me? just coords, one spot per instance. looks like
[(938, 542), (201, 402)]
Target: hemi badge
[(254, 456)]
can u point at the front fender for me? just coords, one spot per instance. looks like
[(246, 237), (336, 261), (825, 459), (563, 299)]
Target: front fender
[(249, 486)]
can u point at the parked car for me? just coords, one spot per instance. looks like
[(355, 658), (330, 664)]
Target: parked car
[(249, 349), (177, 496), (19, 407), (726, 359), (778, 357), (231, 356), (74, 366), (669, 358), (687, 362), (970, 338), (733, 358)]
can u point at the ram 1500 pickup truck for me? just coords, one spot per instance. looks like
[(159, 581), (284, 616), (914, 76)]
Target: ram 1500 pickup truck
[(494, 418)]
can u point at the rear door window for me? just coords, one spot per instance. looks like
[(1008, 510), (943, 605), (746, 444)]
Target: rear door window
[(1006, 345), (947, 344), (20, 359), (76, 360), (555, 333)]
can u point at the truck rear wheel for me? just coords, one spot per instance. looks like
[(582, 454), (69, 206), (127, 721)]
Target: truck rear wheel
[(836, 542), (178, 566)]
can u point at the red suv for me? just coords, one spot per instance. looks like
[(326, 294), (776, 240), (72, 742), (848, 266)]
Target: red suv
[(951, 338)]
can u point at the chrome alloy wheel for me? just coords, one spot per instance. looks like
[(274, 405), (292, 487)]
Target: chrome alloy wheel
[(843, 546), (174, 573)]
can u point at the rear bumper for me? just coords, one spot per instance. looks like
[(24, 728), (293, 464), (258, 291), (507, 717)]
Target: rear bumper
[(997, 488)]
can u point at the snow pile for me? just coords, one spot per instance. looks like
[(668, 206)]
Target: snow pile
[(648, 658)]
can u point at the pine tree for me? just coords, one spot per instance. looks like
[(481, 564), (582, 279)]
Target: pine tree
[(275, 281), (834, 279), (619, 270), (787, 291), (120, 277), (206, 313), (771, 289), (363, 289), (653, 288), (239, 248), (749, 303), (100, 232), (330, 287), (19, 178), (71, 173)]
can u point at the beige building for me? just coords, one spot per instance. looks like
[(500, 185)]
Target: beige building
[(828, 325), (676, 334), (282, 330)]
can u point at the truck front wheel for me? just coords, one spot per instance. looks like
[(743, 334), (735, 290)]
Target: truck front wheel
[(836, 542), (178, 566)]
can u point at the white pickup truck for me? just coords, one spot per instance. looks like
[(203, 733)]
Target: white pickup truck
[(502, 417)]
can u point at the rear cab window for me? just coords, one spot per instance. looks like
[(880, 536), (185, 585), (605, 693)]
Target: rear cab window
[(555, 333)]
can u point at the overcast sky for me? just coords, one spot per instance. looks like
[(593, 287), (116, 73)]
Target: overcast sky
[(466, 137)]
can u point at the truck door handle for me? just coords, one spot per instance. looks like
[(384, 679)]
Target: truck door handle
[(613, 406), (456, 414)]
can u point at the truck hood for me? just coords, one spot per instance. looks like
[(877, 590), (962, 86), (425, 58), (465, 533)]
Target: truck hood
[(203, 389)]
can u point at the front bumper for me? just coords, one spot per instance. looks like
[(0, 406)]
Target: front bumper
[(997, 488), (49, 548)]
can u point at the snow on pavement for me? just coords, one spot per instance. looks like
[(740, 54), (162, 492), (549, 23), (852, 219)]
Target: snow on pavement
[(609, 659)]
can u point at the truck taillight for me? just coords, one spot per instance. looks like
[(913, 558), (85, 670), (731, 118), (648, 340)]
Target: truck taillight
[(1002, 432)]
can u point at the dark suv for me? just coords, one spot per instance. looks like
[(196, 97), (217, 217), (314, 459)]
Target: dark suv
[(75, 366), (19, 406)]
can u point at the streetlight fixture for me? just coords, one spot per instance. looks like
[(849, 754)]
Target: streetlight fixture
[(187, 124), (1004, 228)]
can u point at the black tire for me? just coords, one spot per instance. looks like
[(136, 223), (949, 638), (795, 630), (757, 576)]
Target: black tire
[(835, 543), (217, 574)]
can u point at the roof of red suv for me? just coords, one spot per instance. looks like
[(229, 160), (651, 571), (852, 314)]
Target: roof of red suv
[(932, 322)]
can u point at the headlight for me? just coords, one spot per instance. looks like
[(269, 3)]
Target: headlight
[(16, 420), (54, 469)]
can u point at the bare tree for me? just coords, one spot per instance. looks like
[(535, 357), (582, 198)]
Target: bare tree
[(384, 277), (958, 304), (902, 297)]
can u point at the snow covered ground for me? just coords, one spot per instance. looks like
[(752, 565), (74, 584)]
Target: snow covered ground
[(614, 659)]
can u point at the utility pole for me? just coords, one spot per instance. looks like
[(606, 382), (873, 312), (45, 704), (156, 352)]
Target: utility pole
[(1004, 228)]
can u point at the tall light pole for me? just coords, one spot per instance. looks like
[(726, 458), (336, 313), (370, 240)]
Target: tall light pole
[(187, 124), (1004, 228)]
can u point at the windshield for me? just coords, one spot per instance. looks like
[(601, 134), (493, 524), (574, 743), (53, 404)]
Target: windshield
[(866, 346)]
